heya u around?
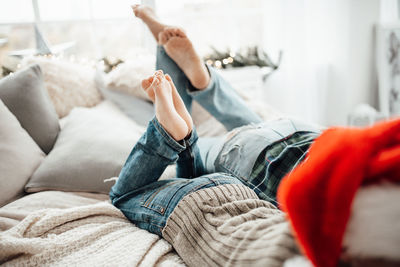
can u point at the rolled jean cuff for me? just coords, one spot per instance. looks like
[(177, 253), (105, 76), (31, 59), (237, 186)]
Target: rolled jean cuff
[(171, 142), (163, 136), (193, 92), (192, 138)]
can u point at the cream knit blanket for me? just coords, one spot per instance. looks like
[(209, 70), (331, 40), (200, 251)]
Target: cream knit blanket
[(92, 235), (228, 225)]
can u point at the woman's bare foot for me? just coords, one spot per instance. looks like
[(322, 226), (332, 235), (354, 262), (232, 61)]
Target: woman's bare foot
[(177, 45), (181, 50), (148, 16), (161, 92), (146, 85), (180, 105)]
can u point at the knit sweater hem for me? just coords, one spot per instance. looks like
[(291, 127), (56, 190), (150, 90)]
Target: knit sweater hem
[(228, 225)]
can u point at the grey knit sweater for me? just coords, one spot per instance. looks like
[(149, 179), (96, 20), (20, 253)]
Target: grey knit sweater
[(228, 225)]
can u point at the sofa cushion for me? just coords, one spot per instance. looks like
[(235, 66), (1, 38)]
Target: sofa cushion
[(19, 156), (25, 96), (138, 109), (92, 146)]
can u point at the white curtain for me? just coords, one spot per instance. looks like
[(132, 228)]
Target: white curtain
[(328, 61), (389, 11)]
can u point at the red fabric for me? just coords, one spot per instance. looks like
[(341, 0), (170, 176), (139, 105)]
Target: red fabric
[(318, 194)]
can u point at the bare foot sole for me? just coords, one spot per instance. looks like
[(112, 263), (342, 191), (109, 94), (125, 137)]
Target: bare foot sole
[(177, 100), (181, 50), (180, 105), (161, 92)]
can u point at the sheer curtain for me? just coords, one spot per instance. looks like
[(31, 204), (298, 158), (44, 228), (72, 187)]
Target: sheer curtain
[(328, 62), (328, 48), (389, 11)]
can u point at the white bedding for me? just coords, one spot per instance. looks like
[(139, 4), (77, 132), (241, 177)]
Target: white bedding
[(77, 230)]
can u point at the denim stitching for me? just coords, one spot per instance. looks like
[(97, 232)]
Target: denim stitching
[(147, 203), (143, 221), (144, 149)]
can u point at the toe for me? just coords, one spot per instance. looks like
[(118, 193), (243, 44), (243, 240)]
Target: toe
[(147, 82), (158, 73), (169, 79), (135, 9), (167, 32), (175, 32), (157, 80), (170, 34), (181, 32)]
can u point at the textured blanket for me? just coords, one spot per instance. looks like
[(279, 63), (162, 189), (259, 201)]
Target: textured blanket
[(91, 235)]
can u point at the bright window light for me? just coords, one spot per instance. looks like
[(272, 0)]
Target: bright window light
[(16, 11), (106, 9), (51, 10)]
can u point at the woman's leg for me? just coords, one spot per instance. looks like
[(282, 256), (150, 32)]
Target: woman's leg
[(143, 199), (154, 151), (162, 144), (218, 97), (174, 127), (166, 64), (190, 163), (194, 80)]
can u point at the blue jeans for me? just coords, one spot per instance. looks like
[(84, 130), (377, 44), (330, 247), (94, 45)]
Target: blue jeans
[(148, 202)]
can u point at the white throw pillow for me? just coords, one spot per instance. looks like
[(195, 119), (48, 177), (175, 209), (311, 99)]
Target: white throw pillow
[(127, 77), (19, 156), (69, 84)]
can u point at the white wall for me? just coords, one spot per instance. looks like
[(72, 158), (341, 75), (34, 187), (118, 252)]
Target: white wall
[(362, 80), (328, 66)]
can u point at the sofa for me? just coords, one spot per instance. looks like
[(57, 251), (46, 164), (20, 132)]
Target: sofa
[(65, 133)]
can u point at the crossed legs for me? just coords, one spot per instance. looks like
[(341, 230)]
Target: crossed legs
[(177, 45), (194, 80)]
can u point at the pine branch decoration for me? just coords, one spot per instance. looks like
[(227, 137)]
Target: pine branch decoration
[(252, 56)]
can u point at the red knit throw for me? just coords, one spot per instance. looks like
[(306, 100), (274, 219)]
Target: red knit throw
[(318, 194)]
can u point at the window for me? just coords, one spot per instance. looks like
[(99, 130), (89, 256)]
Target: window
[(11, 11), (223, 24), (98, 27), (107, 28)]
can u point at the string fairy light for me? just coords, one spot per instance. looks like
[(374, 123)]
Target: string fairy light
[(71, 59)]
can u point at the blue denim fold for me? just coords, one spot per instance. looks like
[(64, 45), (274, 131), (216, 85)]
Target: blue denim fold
[(148, 202)]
